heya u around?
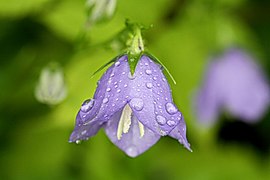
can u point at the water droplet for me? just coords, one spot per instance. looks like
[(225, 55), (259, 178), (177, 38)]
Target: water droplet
[(137, 104), (115, 83), (155, 78), (112, 75), (130, 76), (171, 123), (116, 86), (164, 79), (148, 71), (83, 132), (123, 73), (125, 85), (105, 100), (118, 90), (87, 105), (158, 85), (116, 99), (113, 105), (108, 89), (117, 63), (141, 73), (138, 90), (149, 85), (78, 141), (146, 64), (132, 151), (170, 108), (160, 119)]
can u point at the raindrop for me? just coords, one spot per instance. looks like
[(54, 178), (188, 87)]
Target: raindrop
[(137, 104), (171, 123), (87, 105), (118, 90), (148, 71), (149, 85), (130, 76), (112, 75), (116, 86), (117, 63), (170, 108), (160, 119), (132, 151), (115, 83), (125, 85), (83, 132), (108, 89), (105, 100), (155, 78)]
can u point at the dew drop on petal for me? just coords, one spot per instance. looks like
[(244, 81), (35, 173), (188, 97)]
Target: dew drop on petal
[(160, 119), (117, 63), (149, 85), (170, 108), (105, 100), (87, 105), (83, 132), (130, 76), (171, 123), (132, 151), (148, 71), (108, 89), (118, 90), (125, 85), (77, 141), (137, 104)]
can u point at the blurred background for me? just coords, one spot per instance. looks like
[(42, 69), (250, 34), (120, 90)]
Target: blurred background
[(185, 34)]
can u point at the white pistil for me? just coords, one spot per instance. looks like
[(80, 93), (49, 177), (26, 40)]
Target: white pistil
[(141, 127), (124, 122)]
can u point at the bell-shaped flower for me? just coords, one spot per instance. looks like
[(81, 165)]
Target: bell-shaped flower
[(135, 110), (100, 10), (233, 83), (51, 88)]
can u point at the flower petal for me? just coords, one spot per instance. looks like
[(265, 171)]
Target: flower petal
[(150, 98), (179, 133), (83, 132), (131, 142)]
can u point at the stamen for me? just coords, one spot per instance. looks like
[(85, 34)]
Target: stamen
[(124, 122), (141, 127)]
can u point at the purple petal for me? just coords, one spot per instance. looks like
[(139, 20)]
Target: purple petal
[(131, 142), (107, 100), (150, 98), (83, 132), (179, 133), (234, 82)]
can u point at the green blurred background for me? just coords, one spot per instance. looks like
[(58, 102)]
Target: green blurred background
[(34, 137)]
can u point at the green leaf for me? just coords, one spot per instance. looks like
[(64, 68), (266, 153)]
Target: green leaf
[(105, 65)]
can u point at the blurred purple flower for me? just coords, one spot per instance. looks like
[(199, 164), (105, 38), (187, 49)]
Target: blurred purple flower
[(233, 83), (135, 111)]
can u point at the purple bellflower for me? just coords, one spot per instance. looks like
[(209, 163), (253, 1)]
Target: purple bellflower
[(135, 109), (233, 83)]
